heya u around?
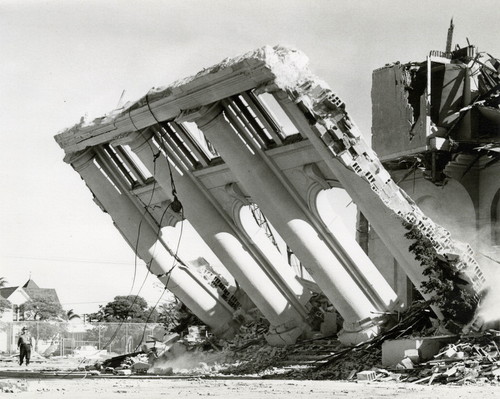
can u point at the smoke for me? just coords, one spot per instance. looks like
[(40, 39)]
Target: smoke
[(191, 362), (490, 311)]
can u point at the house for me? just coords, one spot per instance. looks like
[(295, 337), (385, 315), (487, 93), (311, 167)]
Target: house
[(10, 318), (18, 296)]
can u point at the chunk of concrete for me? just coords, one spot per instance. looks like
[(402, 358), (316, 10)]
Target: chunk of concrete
[(285, 338), (406, 363), (140, 367), (413, 355), (393, 351), (123, 372), (368, 375)]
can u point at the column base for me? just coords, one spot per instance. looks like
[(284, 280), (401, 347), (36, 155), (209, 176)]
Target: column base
[(283, 336), (355, 333)]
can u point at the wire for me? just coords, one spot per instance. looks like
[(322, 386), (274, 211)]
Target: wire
[(168, 274), (173, 203), (139, 227), (162, 144)]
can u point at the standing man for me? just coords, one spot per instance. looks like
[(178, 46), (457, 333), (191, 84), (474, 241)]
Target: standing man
[(24, 344)]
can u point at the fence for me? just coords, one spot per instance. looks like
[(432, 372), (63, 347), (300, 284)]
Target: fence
[(69, 338)]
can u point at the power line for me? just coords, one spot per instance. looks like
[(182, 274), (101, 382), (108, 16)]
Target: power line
[(74, 260)]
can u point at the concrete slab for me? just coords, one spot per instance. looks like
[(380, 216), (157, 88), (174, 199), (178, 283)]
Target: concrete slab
[(393, 351)]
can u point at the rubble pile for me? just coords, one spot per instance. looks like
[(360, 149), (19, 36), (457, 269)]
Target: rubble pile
[(13, 387), (248, 352), (474, 358), (345, 362), (451, 359), (136, 363)]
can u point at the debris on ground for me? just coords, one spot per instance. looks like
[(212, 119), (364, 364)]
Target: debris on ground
[(13, 387), (420, 355)]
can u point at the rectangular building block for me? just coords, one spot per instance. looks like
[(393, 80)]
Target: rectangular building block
[(393, 351), (368, 375)]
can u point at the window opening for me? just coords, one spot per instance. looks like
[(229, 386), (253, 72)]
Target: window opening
[(263, 115), (199, 138), (180, 144), (121, 166), (240, 127), (98, 165), (275, 112), (165, 139), (251, 121), (134, 163), (263, 223), (166, 149), (190, 145)]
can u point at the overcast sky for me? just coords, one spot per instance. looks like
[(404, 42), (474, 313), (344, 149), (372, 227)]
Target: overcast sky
[(61, 60)]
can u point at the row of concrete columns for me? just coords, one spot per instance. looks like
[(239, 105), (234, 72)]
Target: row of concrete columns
[(274, 303), (295, 226), (143, 237), (337, 264)]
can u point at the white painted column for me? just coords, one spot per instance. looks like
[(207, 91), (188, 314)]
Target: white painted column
[(198, 296), (387, 225), (286, 216), (277, 260), (222, 239)]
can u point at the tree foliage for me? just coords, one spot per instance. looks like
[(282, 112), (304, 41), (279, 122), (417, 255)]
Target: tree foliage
[(70, 314), (176, 317), (450, 292), (4, 305), (43, 308), (130, 308), (3, 282)]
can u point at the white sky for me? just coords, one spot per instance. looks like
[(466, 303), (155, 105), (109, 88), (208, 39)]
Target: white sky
[(62, 59)]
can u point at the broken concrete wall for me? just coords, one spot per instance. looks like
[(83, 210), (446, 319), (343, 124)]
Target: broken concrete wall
[(393, 114)]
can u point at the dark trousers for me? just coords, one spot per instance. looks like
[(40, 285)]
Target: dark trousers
[(24, 352)]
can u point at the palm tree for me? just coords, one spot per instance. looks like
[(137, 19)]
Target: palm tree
[(3, 282), (72, 315)]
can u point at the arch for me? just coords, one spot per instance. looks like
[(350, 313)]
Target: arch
[(272, 246), (450, 206), (183, 239), (332, 204)]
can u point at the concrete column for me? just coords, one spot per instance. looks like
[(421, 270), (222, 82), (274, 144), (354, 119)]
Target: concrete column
[(274, 303), (387, 225), (200, 298), (287, 218), (277, 260)]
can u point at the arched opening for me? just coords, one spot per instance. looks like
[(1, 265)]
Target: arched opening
[(268, 240), (185, 242), (336, 210)]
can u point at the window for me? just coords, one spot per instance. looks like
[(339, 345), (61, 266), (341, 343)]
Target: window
[(199, 138), (243, 116), (277, 116)]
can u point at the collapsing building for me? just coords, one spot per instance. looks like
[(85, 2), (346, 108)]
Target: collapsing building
[(260, 135), (436, 129)]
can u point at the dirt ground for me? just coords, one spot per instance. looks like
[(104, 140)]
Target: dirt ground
[(194, 388), (74, 384)]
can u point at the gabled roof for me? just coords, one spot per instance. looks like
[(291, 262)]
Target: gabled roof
[(6, 292), (33, 290), (30, 284)]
